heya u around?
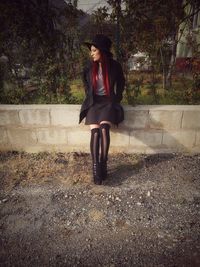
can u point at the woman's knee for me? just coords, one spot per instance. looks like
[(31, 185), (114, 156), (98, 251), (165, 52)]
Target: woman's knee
[(93, 126), (106, 122)]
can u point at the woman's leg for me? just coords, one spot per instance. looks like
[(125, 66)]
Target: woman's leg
[(94, 142), (94, 149), (105, 144)]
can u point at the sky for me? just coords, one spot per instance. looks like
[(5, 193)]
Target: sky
[(90, 5)]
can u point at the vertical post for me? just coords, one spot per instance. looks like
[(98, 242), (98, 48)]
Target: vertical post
[(118, 13)]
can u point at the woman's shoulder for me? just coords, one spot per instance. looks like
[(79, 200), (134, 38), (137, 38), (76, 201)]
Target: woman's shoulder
[(115, 63), (87, 65), (116, 66)]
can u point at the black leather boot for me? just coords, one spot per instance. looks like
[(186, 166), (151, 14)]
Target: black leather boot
[(104, 172), (105, 143), (97, 173), (94, 148)]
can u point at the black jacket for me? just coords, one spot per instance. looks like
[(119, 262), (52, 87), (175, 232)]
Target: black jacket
[(116, 82)]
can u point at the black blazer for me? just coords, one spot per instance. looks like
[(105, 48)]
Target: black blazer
[(116, 82)]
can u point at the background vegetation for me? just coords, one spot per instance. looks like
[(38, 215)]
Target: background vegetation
[(41, 52)]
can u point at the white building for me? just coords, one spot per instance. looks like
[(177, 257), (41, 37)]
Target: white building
[(139, 62)]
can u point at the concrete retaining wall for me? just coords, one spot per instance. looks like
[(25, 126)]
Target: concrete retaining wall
[(146, 129)]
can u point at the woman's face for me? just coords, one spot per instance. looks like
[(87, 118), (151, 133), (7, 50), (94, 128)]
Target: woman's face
[(95, 53)]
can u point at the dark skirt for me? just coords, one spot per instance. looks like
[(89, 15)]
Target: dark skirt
[(102, 110)]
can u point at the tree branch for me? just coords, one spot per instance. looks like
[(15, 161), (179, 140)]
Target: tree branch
[(191, 15)]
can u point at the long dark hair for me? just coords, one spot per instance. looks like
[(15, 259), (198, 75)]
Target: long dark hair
[(95, 67)]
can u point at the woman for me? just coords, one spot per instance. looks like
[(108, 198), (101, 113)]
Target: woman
[(104, 84)]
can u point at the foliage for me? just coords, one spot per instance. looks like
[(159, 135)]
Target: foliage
[(42, 38), (44, 41), (155, 33), (151, 92), (133, 90)]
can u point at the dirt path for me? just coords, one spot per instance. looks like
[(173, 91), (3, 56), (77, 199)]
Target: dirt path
[(146, 214)]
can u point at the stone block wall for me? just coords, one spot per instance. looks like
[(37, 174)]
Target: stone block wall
[(146, 129)]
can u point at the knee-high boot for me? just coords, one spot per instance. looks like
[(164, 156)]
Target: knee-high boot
[(94, 149), (105, 144)]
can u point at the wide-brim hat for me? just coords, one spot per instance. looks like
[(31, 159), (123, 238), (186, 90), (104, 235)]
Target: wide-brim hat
[(102, 42)]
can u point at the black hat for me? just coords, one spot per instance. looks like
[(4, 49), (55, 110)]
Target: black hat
[(101, 42)]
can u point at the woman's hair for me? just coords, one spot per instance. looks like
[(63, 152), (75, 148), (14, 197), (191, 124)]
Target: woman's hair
[(95, 67)]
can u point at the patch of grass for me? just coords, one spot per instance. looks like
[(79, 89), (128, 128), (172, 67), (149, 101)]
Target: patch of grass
[(77, 91), (139, 90), (181, 92)]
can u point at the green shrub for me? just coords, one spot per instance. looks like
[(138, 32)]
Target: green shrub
[(12, 94)]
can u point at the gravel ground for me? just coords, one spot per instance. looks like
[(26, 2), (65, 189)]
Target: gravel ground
[(145, 214)]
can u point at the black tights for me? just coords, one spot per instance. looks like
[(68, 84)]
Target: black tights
[(100, 134)]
